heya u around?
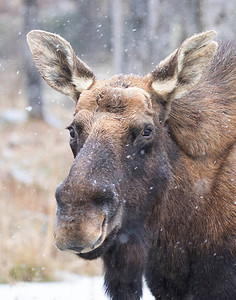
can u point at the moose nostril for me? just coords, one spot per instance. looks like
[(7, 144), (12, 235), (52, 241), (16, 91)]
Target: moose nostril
[(76, 249)]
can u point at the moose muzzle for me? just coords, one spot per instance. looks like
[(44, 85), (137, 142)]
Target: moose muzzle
[(82, 216)]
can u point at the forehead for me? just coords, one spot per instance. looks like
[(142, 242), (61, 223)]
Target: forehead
[(126, 95)]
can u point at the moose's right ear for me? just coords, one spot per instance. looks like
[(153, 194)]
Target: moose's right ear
[(58, 65)]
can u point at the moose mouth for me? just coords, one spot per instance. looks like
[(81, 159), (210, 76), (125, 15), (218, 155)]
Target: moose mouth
[(102, 244), (99, 241)]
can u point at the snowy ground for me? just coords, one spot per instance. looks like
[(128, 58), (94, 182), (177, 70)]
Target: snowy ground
[(73, 288)]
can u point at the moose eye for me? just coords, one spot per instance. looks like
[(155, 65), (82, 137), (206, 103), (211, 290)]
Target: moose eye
[(147, 132), (72, 133)]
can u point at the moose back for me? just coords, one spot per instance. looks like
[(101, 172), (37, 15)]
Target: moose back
[(152, 189)]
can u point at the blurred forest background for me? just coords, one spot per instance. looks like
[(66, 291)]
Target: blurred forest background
[(111, 36)]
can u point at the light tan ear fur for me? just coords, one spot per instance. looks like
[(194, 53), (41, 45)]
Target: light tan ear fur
[(167, 82), (185, 67), (57, 63)]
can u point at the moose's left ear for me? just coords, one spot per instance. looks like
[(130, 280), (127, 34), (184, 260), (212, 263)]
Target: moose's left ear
[(185, 67), (58, 65)]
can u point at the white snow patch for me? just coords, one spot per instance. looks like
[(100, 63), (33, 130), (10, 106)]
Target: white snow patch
[(73, 288)]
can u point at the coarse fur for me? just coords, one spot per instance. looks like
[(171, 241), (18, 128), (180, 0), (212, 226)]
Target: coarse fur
[(152, 189)]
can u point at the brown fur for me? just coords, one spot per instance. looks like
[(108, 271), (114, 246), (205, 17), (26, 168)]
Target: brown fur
[(152, 189)]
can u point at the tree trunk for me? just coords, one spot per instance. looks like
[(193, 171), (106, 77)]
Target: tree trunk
[(137, 40), (33, 79), (117, 39), (152, 25)]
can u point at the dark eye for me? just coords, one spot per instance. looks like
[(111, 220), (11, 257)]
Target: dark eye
[(72, 133), (147, 132)]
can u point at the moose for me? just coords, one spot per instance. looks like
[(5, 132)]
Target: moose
[(152, 188)]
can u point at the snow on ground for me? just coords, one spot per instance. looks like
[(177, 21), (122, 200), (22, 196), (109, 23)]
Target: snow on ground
[(74, 288)]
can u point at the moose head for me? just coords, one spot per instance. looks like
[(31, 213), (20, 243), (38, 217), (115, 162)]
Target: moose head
[(118, 139)]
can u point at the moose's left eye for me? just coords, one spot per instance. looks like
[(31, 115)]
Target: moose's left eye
[(147, 132)]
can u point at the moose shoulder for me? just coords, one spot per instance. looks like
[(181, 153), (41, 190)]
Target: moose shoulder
[(152, 188)]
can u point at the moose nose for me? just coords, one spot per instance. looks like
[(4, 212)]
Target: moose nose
[(82, 214)]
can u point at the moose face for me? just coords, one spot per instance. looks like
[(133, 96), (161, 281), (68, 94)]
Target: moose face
[(112, 138), (119, 138)]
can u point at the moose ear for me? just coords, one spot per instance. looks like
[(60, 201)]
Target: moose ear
[(185, 67), (58, 65)]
